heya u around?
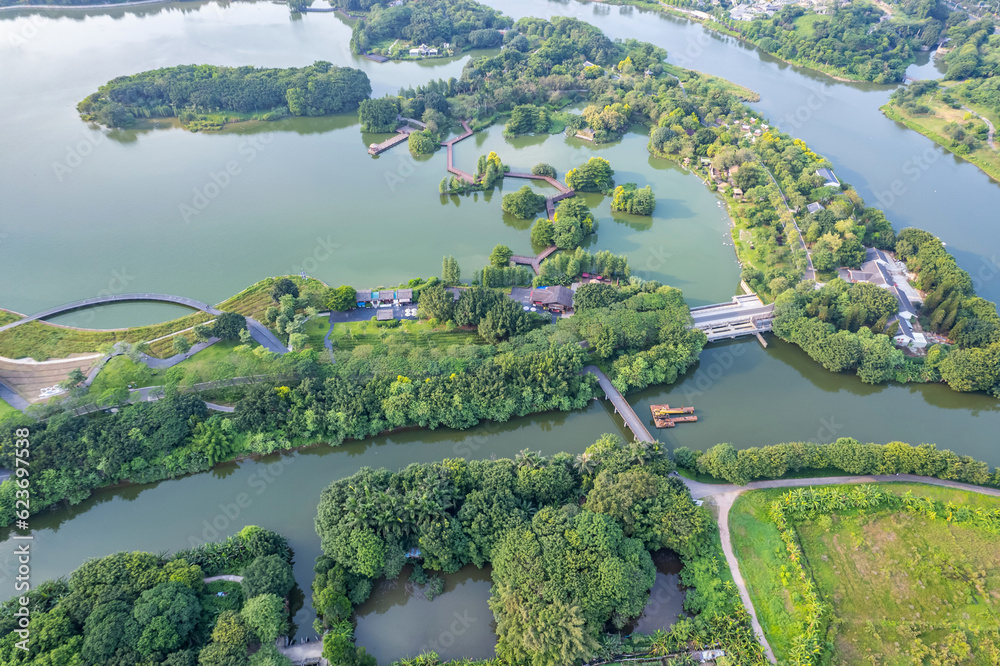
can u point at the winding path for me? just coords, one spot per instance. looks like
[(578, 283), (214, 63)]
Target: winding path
[(993, 131), (258, 331), (724, 495)]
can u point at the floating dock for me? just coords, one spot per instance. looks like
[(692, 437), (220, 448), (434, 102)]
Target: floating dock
[(665, 416)]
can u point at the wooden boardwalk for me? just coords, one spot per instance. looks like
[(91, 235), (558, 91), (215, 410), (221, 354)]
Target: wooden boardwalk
[(536, 261), (550, 203), (632, 420), (450, 145)]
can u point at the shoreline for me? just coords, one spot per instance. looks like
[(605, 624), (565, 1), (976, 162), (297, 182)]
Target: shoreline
[(710, 23), (109, 5), (891, 112)]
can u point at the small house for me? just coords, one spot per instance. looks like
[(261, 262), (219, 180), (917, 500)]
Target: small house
[(386, 296), (554, 299), (384, 314), (830, 179), (404, 296), (814, 207), (364, 298), (414, 52), (737, 193)]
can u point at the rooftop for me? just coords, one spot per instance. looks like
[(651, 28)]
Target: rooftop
[(553, 295)]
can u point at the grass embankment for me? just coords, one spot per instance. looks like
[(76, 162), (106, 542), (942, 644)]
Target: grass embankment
[(896, 582), (211, 364), (316, 329), (685, 75), (932, 126), (41, 341), (256, 299), (417, 333), (8, 317), (6, 410)]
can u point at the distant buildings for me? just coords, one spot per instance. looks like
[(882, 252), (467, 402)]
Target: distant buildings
[(814, 207), (423, 50)]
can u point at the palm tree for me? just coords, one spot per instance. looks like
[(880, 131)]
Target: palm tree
[(529, 459), (585, 464)]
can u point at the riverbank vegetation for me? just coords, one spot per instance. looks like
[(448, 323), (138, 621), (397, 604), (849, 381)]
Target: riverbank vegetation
[(392, 379), (846, 455), (207, 97), (952, 117), (897, 572), (145, 608), (452, 25), (577, 531)]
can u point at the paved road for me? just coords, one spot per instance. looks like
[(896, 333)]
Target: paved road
[(10, 396), (723, 496)]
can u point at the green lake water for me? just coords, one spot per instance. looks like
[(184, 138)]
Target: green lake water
[(88, 211)]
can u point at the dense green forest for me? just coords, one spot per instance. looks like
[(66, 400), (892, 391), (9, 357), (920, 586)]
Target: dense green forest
[(460, 23), (640, 336), (849, 41), (569, 539), (147, 609), (194, 93)]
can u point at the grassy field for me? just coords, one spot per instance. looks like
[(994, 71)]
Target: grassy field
[(805, 25), (256, 299), (210, 364), (932, 126), (42, 341), (7, 317), (316, 329), (418, 333), (902, 588), (6, 410)]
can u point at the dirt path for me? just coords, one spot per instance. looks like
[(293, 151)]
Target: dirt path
[(993, 131), (724, 495)]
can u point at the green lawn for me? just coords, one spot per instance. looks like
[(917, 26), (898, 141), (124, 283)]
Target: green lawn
[(256, 299), (897, 583), (932, 126), (7, 317), (418, 333), (316, 329), (6, 410), (805, 25)]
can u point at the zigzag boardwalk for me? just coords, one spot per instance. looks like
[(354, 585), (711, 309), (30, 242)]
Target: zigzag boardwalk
[(450, 145), (536, 261)]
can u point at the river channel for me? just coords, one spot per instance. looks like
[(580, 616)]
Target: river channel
[(88, 211)]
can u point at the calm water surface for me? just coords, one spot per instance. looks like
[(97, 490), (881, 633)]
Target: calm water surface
[(89, 211)]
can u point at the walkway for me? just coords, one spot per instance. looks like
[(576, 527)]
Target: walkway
[(810, 272), (550, 203), (227, 577), (632, 420), (536, 261), (115, 298), (450, 145), (992, 132), (724, 495)]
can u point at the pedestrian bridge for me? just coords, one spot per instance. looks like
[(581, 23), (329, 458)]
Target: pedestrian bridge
[(744, 315)]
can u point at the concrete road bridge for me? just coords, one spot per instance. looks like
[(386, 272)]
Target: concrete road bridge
[(744, 315)]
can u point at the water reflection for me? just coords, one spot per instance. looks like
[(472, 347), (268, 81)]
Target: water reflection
[(398, 621), (666, 598)]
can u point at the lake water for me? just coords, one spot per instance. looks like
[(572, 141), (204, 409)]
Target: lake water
[(89, 211)]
